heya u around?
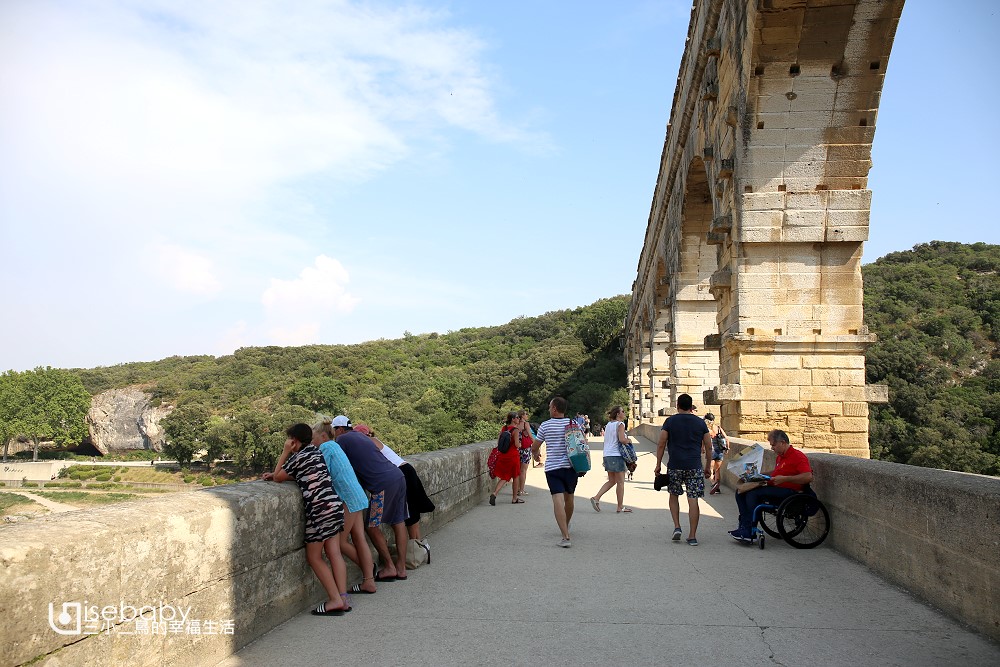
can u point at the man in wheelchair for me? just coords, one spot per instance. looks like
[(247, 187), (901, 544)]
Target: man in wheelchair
[(791, 475)]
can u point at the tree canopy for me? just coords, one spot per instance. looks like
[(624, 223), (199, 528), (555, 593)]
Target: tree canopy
[(46, 403), (420, 392), (936, 310)]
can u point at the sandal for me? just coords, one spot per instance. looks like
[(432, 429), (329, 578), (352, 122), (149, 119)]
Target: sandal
[(517, 502), (321, 611), (625, 510), (595, 504), (380, 578), (357, 590)]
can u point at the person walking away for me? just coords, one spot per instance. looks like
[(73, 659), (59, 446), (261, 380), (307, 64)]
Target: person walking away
[(685, 437), (559, 473), (508, 467), (614, 463), (527, 436), (720, 444)]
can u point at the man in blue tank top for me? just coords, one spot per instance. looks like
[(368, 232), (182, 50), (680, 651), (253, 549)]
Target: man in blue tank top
[(686, 439)]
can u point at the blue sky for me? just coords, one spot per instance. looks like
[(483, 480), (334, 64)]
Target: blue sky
[(192, 177)]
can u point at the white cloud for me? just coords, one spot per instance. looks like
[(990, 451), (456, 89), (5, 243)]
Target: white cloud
[(296, 309), (218, 130), (187, 271)]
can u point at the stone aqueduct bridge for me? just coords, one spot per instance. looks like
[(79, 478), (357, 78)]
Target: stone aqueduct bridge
[(749, 288)]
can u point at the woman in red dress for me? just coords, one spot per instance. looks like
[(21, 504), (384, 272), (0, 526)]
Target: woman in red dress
[(508, 463)]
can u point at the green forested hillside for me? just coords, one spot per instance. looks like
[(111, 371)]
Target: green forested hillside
[(936, 310), (420, 392)]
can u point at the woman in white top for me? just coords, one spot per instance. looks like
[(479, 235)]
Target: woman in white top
[(614, 434)]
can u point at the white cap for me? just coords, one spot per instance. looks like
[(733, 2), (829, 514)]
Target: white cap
[(341, 420)]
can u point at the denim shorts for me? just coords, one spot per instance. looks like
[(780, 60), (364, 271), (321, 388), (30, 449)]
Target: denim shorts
[(614, 464)]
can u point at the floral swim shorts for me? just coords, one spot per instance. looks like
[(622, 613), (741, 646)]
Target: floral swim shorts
[(692, 480)]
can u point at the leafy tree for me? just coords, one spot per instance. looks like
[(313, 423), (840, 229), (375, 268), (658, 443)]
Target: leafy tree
[(46, 403), (602, 322), (11, 400), (321, 394), (185, 430)]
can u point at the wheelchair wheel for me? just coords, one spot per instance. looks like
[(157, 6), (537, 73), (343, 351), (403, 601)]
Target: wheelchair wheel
[(803, 521), (769, 521)]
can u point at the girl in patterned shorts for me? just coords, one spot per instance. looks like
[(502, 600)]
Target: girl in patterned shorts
[(304, 463)]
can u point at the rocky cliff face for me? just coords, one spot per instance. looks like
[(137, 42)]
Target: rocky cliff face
[(123, 419)]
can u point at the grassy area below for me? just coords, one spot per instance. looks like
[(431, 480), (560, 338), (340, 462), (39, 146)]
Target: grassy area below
[(9, 500), (84, 498)]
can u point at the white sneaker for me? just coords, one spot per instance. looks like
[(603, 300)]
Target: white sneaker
[(565, 543)]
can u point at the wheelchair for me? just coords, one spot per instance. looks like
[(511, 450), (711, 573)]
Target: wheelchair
[(800, 520)]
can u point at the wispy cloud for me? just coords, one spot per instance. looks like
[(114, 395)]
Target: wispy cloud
[(200, 133)]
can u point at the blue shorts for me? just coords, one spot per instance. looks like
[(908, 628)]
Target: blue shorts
[(614, 464), (387, 506), (562, 480), (717, 453), (692, 480)]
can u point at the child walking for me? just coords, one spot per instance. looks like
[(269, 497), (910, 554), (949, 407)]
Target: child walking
[(304, 463)]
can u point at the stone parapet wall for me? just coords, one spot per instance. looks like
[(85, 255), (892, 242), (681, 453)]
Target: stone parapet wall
[(230, 554), (932, 532)]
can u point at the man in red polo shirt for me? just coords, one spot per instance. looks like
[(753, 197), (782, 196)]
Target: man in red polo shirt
[(790, 475)]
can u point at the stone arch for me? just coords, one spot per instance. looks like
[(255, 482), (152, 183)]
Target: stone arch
[(764, 169), (693, 368)]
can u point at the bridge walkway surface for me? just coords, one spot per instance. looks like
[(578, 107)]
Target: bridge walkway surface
[(500, 591)]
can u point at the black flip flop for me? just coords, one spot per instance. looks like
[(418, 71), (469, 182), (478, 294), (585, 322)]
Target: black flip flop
[(383, 579), (321, 611), (357, 590)]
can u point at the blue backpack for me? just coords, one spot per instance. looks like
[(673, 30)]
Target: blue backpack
[(576, 448)]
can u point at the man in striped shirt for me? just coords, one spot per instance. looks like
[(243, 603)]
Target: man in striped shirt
[(559, 472)]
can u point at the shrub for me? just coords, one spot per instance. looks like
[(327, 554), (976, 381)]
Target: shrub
[(29, 485), (188, 479), (206, 480), (117, 478), (104, 477)]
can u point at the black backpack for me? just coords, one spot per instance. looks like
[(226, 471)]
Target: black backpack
[(503, 442)]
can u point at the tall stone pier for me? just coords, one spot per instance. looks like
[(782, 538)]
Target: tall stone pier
[(748, 292)]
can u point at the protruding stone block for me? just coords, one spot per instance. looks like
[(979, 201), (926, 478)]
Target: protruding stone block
[(877, 393)]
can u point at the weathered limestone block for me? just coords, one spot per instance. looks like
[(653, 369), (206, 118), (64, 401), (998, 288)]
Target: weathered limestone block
[(123, 419), (850, 424), (784, 407), (787, 376), (819, 408), (855, 409)]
